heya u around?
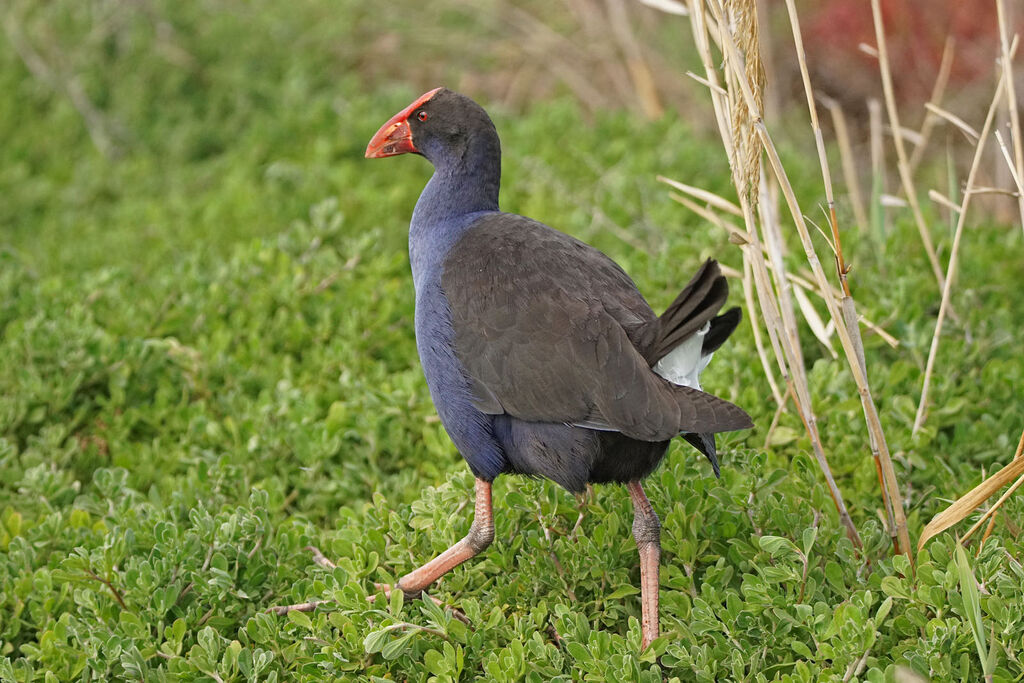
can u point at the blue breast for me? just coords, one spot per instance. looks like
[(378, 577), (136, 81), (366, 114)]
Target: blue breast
[(470, 430)]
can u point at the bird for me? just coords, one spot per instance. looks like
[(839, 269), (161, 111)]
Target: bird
[(541, 356)]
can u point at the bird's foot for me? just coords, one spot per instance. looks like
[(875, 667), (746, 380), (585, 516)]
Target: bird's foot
[(387, 588)]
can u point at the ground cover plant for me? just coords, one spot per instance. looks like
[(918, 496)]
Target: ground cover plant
[(207, 365)]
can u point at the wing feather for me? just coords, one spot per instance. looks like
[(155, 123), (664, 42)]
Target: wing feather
[(551, 330)]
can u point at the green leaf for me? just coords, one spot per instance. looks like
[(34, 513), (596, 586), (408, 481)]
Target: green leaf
[(395, 647), (300, 619), (883, 611), (579, 653), (395, 603), (893, 586), (435, 662), (809, 535), (777, 545), (622, 591), (374, 641), (972, 607)]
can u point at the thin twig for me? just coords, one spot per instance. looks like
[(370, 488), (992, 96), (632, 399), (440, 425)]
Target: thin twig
[(320, 558), (108, 584)]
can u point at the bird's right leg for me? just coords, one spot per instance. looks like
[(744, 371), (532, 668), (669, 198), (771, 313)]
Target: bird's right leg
[(647, 532), (480, 535)]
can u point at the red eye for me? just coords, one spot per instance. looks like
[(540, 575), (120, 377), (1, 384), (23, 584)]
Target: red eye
[(422, 116)]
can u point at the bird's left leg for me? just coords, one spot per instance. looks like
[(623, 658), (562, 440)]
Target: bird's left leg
[(647, 532), (480, 535)]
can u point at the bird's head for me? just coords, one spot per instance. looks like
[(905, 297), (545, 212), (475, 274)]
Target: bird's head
[(439, 124)]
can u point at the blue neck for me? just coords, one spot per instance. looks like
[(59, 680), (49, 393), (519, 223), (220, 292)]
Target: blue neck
[(464, 185)]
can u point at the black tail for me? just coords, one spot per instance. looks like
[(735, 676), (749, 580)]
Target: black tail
[(721, 327), (705, 443), (696, 305)]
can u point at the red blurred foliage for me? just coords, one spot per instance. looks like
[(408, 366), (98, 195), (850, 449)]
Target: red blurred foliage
[(916, 32)]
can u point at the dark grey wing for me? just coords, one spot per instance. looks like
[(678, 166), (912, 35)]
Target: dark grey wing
[(548, 330)]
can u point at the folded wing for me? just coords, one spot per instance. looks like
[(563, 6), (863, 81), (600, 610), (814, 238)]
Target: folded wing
[(551, 330)]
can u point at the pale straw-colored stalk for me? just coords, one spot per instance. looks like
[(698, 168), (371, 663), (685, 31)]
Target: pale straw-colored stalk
[(897, 523), (1011, 97), (740, 97), (1017, 181), (938, 92), (849, 165), (966, 128), (902, 161), (879, 181), (734, 59), (922, 406)]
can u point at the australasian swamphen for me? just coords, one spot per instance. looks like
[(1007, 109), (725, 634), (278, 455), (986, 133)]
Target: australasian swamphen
[(541, 356)]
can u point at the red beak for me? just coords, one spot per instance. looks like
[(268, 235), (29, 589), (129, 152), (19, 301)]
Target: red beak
[(395, 136)]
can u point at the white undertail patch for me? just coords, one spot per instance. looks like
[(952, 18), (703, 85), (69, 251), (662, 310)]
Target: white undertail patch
[(683, 364)]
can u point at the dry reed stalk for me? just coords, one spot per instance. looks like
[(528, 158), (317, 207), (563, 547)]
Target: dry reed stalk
[(973, 499), (938, 91), (1017, 181), (783, 341), (734, 59), (740, 237), (947, 288), (860, 213), (818, 326), (879, 181), (755, 325), (849, 318), (964, 127), (1011, 96), (944, 201), (902, 162), (992, 520), (639, 71), (711, 198), (775, 245)]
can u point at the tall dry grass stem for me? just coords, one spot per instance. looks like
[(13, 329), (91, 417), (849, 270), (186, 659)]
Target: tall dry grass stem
[(947, 288), (740, 95), (938, 92), (849, 164), (976, 497), (902, 161), (849, 320), (1007, 52)]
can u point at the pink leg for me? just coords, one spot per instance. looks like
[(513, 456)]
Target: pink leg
[(480, 535), (647, 532)]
